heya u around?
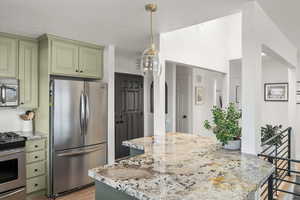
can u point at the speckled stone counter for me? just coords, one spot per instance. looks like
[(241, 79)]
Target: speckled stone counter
[(184, 167), (32, 136)]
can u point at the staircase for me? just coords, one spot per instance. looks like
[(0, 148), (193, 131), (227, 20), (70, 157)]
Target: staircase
[(284, 183)]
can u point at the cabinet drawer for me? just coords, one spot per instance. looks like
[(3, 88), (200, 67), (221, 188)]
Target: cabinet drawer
[(35, 156), (35, 169), (35, 184), (35, 145)]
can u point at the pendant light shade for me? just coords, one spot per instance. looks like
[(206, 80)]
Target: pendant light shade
[(150, 59)]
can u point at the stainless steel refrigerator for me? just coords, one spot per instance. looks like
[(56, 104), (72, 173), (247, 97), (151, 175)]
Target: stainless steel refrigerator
[(79, 132)]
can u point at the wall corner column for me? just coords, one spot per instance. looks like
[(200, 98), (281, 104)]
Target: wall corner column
[(109, 78), (251, 83)]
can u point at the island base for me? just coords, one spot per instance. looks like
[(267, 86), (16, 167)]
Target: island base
[(105, 192)]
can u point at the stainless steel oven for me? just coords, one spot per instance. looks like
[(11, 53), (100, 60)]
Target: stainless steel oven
[(12, 174), (9, 92)]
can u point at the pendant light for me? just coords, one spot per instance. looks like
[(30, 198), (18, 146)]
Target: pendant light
[(150, 60)]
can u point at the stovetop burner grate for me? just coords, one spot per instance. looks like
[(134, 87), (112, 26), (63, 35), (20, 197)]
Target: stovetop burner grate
[(9, 140)]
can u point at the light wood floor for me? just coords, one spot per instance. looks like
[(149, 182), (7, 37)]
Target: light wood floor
[(84, 194)]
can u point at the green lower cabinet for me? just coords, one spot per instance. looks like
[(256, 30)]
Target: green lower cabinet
[(135, 152), (28, 74), (8, 57), (35, 166), (105, 192)]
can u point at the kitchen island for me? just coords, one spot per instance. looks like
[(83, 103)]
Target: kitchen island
[(180, 166)]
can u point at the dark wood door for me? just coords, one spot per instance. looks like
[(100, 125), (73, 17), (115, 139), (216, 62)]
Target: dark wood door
[(129, 110)]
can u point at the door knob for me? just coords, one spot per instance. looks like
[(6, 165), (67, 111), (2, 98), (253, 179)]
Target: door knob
[(184, 116)]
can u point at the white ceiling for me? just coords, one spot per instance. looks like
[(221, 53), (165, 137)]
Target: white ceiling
[(286, 14), (124, 23)]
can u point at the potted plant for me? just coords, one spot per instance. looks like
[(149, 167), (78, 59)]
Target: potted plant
[(266, 133), (225, 125)]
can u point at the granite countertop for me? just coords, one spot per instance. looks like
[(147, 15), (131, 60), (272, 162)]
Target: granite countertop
[(32, 136), (184, 167)]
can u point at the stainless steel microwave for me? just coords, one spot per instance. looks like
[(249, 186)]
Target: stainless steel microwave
[(9, 92)]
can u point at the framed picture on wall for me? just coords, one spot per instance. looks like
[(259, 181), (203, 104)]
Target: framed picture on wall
[(199, 95), (298, 92), (276, 91)]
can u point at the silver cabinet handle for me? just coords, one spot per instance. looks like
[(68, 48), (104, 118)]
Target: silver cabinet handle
[(82, 112), (87, 114), (11, 194), (79, 152)]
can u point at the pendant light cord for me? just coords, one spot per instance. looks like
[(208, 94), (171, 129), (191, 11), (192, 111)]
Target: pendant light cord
[(151, 27)]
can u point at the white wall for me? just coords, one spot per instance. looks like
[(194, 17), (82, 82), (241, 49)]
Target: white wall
[(273, 71), (109, 78), (259, 30), (274, 113), (211, 82), (126, 62), (10, 119), (208, 45), (235, 82), (171, 82)]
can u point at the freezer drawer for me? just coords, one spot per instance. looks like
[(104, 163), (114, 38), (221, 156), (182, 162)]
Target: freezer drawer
[(71, 167)]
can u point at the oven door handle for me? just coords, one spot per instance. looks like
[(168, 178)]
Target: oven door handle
[(12, 152), (11, 194)]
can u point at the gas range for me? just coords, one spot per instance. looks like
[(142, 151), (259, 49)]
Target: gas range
[(11, 140)]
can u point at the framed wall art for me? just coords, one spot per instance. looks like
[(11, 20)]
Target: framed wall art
[(298, 92), (199, 95), (276, 91)]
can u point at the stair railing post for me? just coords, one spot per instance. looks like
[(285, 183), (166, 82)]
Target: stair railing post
[(270, 187), (289, 151)]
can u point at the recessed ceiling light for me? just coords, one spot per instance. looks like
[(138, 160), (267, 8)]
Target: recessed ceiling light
[(263, 54)]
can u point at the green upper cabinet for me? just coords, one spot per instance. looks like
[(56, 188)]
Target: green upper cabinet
[(28, 74), (90, 62), (64, 59), (73, 58), (8, 57)]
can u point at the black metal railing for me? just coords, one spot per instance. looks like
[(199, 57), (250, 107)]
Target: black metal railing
[(277, 150)]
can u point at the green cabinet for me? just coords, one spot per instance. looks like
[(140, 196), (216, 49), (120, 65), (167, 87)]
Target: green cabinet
[(74, 58), (28, 74), (8, 57), (90, 62), (64, 58)]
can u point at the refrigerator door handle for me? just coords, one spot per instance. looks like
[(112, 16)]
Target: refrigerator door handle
[(3, 94), (82, 112), (79, 152), (87, 110)]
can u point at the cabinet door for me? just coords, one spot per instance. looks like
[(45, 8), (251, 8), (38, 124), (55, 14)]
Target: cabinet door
[(64, 58), (90, 62), (8, 57), (28, 74)]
